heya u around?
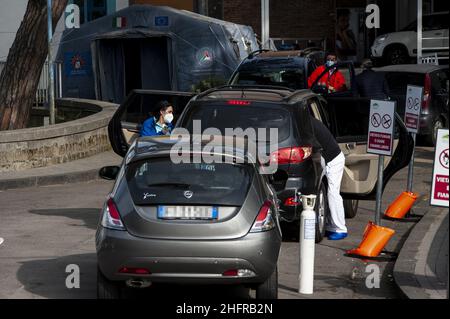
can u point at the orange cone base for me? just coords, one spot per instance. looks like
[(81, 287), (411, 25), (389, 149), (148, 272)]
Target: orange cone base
[(374, 240), (401, 206)]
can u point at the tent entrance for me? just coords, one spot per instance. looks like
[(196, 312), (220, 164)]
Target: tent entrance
[(125, 64)]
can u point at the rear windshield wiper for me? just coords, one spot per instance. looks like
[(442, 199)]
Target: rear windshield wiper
[(180, 185)]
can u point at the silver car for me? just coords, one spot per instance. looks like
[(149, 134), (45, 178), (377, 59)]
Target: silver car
[(187, 223)]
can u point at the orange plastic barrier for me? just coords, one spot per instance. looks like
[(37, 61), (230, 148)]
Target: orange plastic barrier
[(401, 206), (374, 240)]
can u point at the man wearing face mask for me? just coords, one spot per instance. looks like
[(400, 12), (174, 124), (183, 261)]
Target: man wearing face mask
[(333, 80), (161, 124)]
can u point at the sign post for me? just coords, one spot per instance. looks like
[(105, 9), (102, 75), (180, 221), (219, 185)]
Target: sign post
[(414, 98), (440, 183), (51, 71), (381, 141)]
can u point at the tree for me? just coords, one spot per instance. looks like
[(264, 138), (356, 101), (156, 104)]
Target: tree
[(20, 76)]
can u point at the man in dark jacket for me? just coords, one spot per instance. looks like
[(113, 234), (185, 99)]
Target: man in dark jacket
[(371, 84)]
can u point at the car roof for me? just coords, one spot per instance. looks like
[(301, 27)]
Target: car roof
[(284, 54), (148, 147), (412, 68), (254, 93)]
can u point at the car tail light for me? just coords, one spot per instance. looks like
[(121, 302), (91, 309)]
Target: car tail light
[(426, 94), (239, 273), (291, 155), (264, 221), (239, 102), (111, 217), (134, 271), (291, 202)]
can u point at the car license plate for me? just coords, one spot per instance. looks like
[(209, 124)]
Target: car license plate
[(188, 212)]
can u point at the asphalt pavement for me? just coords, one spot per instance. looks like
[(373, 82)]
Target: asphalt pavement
[(47, 228)]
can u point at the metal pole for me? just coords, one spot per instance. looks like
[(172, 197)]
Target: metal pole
[(379, 190), (51, 71), (411, 167), (419, 31), (265, 20), (60, 94)]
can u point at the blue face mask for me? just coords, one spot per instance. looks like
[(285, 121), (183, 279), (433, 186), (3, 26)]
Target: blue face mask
[(330, 63)]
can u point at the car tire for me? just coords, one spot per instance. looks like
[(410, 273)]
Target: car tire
[(351, 208), (436, 125), (321, 210), (269, 288), (397, 55), (107, 289)]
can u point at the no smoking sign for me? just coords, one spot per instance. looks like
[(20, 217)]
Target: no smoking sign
[(414, 97), (440, 188), (381, 128)]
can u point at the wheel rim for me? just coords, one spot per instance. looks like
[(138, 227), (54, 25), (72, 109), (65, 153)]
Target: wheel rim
[(321, 216), (397, 57)]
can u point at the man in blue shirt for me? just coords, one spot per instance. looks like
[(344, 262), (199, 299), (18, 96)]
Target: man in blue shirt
[(161, 124)]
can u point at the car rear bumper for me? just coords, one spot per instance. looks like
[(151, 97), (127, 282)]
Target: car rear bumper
[(189, 262)]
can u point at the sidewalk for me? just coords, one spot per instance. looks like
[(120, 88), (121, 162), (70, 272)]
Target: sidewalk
[(77, 171), (421, 270)]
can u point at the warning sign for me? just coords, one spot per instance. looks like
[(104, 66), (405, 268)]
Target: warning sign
[(414, 98), (440, 187), (381, 127)]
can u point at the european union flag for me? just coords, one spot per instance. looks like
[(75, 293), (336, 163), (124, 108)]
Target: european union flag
[(161, 21)]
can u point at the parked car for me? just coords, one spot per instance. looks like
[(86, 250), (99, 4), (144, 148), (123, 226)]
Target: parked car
[(289, 69), (435, 81), (300, 170), (401, 47), (182, 223)]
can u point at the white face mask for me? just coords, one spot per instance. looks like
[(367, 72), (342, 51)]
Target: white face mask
[(168, 118)]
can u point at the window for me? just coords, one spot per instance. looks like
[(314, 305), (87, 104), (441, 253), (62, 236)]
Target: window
[(225, 117), (93, 9), (220, 184)]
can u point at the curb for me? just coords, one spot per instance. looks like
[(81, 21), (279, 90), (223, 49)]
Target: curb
[(57, 179), (410, 256)]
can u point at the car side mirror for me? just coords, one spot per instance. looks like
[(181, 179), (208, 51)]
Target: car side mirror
[(109, 172)]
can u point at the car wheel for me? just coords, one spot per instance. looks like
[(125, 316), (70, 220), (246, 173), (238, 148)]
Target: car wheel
[(321, 213), (107, 289), (436, 125), (269, 288), (397, 55), (351, 208)]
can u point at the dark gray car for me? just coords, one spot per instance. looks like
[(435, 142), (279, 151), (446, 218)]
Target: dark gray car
[(193, 223)]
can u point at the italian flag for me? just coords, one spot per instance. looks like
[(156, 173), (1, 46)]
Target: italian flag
[(120, 22)]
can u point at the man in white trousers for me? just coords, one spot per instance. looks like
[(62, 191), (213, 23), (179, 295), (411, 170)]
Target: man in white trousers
[(333, 163)]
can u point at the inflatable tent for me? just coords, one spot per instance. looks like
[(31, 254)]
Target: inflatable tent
[(150, 47)]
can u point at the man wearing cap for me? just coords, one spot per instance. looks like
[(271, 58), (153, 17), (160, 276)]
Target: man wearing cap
[(371, 84)]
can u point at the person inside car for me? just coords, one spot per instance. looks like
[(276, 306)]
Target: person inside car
[(161, 124), (333, 80), (334, 169)]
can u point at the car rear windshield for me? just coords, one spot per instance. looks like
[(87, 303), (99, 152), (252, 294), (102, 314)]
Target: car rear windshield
[(161, 182), (225, 117), (398, 81), (290, 76)]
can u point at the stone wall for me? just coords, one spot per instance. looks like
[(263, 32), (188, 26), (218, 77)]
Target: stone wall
[(45, 146)]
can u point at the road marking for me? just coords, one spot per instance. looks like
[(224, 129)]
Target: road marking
[(1, 240)]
